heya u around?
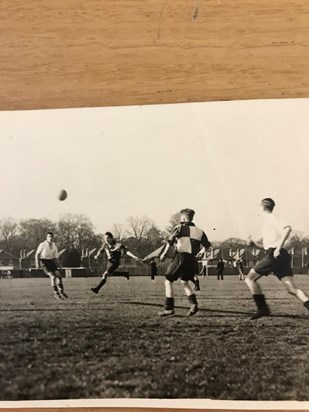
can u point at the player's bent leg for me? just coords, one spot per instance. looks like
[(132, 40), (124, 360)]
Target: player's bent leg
[(251, 281), (169, 299), (169, 290), (292, 288), (258, 297), (53, 281), (60, 284), (101, 283)]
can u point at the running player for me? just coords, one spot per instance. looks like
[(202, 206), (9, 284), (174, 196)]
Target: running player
[(47, 254), (191, 242), (113, 250), (277, 260)]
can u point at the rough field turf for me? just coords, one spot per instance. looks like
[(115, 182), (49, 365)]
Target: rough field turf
[(115, 346)]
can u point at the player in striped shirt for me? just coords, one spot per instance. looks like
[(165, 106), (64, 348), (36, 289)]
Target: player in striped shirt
[(47, 255), (190, 242)]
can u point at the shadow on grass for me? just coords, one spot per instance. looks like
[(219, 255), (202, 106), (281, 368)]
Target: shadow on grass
[(221, 313), (230, 312), (185, 307)]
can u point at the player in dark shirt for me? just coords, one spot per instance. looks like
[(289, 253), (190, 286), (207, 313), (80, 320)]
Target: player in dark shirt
[(220, 269), (113, 250)]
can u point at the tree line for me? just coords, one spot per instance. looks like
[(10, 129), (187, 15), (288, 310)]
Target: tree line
[(76, 232)]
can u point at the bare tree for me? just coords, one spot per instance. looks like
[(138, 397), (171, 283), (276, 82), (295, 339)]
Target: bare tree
[(119, 231), (33, 231), (174, 221), (75, 231), (8, 232), (143, 235), (138, 227)]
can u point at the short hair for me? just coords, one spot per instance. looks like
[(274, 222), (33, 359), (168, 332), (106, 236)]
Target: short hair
[(188, 212), (268, 203), (109, 234), (50, 233)]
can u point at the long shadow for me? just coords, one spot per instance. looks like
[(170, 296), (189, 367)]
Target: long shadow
[(232, 312), (185, 307), (226, 312)]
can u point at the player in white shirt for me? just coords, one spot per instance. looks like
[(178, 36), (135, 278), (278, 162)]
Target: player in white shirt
[(47, 255), (277, 260)]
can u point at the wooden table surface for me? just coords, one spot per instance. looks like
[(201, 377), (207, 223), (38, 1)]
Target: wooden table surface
[(70, 53)]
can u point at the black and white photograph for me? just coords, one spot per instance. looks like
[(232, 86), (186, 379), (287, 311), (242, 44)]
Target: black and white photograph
[(155, 252)]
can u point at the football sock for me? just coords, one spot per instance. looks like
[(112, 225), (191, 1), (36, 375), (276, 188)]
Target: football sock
[(192, 299), (260, 302), (102, 283), (169, 304)]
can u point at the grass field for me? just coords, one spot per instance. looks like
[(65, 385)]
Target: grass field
[(115, 346)]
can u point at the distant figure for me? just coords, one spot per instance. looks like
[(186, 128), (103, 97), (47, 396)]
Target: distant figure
[(276, 261), (47, 255), (240, 267), (154, 269), (220, 269)]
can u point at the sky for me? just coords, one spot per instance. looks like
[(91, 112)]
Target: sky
[(219, 159)]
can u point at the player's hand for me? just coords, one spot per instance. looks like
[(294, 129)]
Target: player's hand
[(136, 259), (276, 252), (199, 255)]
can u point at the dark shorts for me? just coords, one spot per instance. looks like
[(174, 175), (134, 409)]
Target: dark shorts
[(280, 266), (112, 265), (183, 266), (49, 266)]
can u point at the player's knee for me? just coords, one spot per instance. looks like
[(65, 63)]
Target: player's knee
[(291, 290), (248, 281), (251, 277)]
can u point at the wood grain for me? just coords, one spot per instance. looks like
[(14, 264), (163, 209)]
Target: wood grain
[(69, 53)]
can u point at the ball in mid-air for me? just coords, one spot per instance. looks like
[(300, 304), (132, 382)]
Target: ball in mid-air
[(62, 195)]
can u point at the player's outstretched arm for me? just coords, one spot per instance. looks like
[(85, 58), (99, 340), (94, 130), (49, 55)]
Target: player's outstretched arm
[(201, 252), (162, 257), (101, 250), (132, 256)]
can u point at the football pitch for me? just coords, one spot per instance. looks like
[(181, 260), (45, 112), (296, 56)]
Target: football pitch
[(113, 345)]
